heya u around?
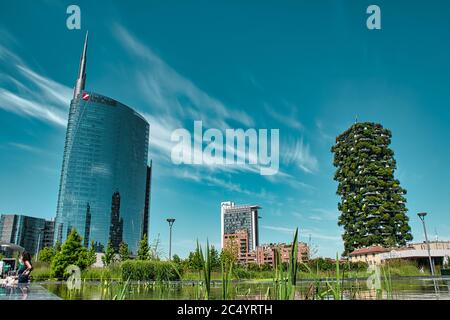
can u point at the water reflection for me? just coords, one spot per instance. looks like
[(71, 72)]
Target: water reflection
[(402, 289)]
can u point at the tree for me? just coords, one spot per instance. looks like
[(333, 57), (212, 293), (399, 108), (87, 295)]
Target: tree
[(373, 206), (72, 253), (215, 258), (124, 253), (230, 252), (176, 259), (143, 251), (92, 257), (194, 261), (46, 254), (108, 257), (57, 247)]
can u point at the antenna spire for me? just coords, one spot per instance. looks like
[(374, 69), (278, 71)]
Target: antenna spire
[(81, 80)]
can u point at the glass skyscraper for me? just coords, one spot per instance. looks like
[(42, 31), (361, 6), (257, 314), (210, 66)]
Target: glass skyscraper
[(103, 191)]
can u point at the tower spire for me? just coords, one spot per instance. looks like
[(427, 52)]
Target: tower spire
[(81, 80)]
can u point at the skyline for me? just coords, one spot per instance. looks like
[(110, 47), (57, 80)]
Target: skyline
[(311, 95)]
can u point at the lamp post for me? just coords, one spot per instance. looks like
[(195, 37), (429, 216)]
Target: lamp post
[(170, 221), (422, 217), (38, 245)]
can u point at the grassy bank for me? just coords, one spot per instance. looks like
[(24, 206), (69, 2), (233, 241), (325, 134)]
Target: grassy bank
[(42, 272)]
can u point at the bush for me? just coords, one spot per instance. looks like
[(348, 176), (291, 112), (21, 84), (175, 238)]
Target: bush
[(150, 270), (111, 272), (46, 254)]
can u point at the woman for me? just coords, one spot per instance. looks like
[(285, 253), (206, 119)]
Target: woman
[(25, 267)]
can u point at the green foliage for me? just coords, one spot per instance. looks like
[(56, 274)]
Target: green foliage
[(284, 284), (215, 259), (72, 253), (124, 252), (109, 257), (194, 261), (206, 267), (112, 272), (150, 270), (46, 254), (373, 206), (230, 253), (293, 264), (58, 246), (144, 250), (227, 270), (177, 260)]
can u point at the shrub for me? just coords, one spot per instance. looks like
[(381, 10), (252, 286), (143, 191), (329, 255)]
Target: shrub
[(46, 254), (241, 273), (111, 272), (150, 270)]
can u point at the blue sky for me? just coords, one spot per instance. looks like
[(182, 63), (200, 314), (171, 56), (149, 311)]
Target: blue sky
[(307, 68)]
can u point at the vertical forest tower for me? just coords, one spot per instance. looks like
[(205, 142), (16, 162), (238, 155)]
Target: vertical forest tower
[(373, 206)]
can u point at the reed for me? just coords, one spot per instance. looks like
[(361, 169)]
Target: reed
[(227, 270), (206, 268)]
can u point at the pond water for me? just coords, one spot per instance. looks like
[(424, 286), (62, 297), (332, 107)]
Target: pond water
[(404, 288)]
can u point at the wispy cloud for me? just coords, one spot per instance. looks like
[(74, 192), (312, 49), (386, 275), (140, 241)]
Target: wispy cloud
[(30, 94), (288, 118), (224, 184), (169, 91), (303, 233), (279, 229), (26, 147), (299, 153), (176, 100), (322, 131)]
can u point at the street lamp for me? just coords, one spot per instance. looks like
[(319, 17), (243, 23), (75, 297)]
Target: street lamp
[(38, 245), (170, 221), (422, 216)]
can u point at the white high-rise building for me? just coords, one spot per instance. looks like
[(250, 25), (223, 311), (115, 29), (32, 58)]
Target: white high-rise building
[(237, 218)]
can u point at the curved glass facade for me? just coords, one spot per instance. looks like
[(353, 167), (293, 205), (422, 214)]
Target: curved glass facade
[(103, 180)]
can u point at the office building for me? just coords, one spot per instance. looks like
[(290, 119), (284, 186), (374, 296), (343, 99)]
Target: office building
[(240, 219), (104, 187), (31, 233)]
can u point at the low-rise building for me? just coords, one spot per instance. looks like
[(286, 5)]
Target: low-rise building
[(266, 254), (370, 255), (418, 252)]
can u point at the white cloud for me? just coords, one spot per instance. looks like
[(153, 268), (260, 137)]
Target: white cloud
[(279, 229), (298, 152), (287, 119), (34, 96), (167, 90), (303, 233), (25, 147)]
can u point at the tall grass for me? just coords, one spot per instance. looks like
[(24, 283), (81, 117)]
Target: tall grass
[(285, 284), (206, 268), (227, 270)]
